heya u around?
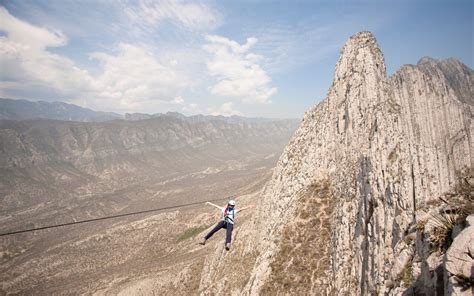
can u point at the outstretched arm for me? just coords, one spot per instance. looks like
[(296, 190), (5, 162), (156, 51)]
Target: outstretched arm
[(245, 208), (214, 205)]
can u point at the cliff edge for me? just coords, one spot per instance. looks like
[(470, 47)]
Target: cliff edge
[(366, 171)]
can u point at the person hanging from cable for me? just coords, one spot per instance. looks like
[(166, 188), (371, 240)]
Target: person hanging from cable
[(227, 222)]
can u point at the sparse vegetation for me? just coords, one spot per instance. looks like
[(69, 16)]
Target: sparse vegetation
[(441, 235), (463, 193), (406, 275), (420, 225), (454, 207), (304, 256), (192, 232)]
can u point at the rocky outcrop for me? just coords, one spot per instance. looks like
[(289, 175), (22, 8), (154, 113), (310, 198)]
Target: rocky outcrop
[(460, 262), (383, 147)]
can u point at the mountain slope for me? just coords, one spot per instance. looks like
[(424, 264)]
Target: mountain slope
[(380, 149), (93, 169)]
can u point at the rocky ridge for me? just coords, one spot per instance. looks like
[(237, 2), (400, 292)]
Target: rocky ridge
[(381, 149), (23, 110)]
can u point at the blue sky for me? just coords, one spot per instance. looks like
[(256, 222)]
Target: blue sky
[(251, 58)]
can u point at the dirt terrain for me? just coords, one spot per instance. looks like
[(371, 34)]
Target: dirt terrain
[(55, 172), (142, 255)]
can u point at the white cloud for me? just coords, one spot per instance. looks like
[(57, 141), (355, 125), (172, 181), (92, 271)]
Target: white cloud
[(134, 76), (226, 109), (190, 15), (131, 78), (24, 56), (178, 100), (20, 32), (237, 72)]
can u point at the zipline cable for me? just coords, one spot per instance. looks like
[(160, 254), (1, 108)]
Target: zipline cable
[(111, 217)]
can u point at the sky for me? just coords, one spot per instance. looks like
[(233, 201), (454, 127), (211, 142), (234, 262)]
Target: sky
[(248, 58)]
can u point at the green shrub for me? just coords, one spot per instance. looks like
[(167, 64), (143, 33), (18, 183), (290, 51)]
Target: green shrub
[(191, 232), (441, 234), (463, 193), (407, 275), (460, 204)]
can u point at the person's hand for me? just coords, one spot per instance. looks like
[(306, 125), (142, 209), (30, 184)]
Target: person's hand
[(251, 206)]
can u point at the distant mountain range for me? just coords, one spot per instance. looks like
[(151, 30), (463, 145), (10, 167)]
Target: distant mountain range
[(27, 110), (198, 118), (86, 168), (22, 110)]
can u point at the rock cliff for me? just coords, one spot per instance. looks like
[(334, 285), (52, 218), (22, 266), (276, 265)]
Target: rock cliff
[(345, 209)]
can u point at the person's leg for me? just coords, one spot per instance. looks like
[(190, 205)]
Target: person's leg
[(215, 229), (228, 237)]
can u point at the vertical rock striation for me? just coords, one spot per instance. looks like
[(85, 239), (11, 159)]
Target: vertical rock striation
[(384, 146)]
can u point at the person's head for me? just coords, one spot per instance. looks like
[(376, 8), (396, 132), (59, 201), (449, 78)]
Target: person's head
[(231, 203)]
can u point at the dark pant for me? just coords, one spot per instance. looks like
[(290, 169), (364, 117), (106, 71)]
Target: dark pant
[(222, 224)]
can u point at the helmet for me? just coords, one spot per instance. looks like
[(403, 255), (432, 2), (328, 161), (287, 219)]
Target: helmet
[(231, 202)]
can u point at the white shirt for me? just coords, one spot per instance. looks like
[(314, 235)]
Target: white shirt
[(230, 216)]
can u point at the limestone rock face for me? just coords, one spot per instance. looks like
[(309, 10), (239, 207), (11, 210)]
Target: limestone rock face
[(460, 261), (386, 146)]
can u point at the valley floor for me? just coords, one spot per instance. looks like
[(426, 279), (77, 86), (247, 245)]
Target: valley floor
[(147, 254)]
